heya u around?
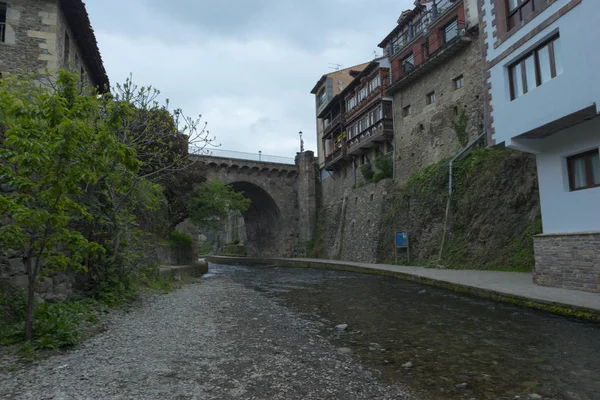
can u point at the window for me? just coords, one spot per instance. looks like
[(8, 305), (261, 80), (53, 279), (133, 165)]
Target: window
[(451, 31), (321, 97), (406, 111), (535, 68), (362, 94), (584, 170), (430, 98), (2, 22), (459, 82), (520, 10), (351, 103), (374, 84), (408, 63), (67, 48), (387, 111)]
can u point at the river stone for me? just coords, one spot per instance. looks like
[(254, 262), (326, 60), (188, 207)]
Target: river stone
[(535, 396), (344, 350), (407, 365), (462, 385), (341, 327)]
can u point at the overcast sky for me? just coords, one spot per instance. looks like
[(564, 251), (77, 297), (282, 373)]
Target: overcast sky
[(246, 65)]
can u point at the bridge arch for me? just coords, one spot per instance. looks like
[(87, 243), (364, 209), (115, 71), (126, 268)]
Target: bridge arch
[(282, 213), (263, 220)]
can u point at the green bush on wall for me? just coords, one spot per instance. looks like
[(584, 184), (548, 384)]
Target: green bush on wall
[(385, 168), (180, 238), (367, 172)]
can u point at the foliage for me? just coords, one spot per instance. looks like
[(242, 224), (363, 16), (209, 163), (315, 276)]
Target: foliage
[(56, 325), (86, 174), (385, 168), (494, 212), (205, 249), (180, 238), (367, 171), (460, 128), (213, 201), (55, 144)]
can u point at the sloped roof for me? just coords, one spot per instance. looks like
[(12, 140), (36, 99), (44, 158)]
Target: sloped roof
[(79, 21), (348, 71)]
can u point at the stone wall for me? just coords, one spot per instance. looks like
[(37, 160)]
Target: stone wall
[(427, 135), (349, 216), (13, 274), (35, 39), (306, 195), (31, 39), (570, 261), (175, 255), (74, 62)]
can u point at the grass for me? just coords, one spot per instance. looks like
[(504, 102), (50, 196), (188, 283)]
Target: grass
[(62, 325)]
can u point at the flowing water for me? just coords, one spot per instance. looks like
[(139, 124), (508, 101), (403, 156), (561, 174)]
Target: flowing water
[(441, 344)]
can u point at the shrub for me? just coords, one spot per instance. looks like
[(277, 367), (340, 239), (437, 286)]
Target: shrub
[(55, 325), (179, 238), (367, 171), (385, 167)]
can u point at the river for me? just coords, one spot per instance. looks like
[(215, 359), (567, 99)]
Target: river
[(441, 344)]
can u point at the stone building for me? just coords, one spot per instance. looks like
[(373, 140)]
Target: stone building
[(325, 89), (46, 35), (436, 82), (39, 36), (357, 128), (543, 93)]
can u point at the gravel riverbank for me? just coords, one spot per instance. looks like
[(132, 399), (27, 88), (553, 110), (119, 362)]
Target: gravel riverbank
[(212, 340)]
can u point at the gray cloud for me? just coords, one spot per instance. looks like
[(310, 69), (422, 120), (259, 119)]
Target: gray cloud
[(247, 66)]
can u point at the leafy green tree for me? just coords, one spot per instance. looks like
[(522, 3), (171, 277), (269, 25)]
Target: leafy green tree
[(213, 201), (55, 145)]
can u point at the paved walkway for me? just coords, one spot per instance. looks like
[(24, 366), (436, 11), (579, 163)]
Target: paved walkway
[(511, 284)]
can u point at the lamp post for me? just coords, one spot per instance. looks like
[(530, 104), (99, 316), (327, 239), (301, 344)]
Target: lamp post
[(259, 155), (301, 142)]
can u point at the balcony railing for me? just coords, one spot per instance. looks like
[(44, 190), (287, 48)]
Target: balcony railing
[(336, 121), (450, 40), (420, 25), (378, 132), (379, 93), (338, 154), (2, 32)]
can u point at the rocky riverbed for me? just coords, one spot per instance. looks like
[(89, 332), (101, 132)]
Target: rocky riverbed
[(217, 339)]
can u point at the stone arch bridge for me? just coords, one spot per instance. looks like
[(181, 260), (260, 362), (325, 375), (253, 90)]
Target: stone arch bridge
[(282, 213)]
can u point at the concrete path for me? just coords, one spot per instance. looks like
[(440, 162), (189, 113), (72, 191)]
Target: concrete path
[(506, 285)]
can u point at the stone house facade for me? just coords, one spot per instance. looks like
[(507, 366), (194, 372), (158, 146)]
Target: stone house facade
[(42, 36), (329, 86), (436, 83), (357, 128), (542, 98)]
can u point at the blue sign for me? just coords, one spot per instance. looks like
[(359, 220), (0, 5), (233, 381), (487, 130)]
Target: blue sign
[(401, 239)]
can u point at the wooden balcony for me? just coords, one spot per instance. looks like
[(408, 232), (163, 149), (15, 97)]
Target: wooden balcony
[(336, 122), (405, 75), (338, 155), (368, 101), (369, 138)]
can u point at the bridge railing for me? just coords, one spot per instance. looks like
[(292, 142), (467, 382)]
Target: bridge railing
[(239, 155)]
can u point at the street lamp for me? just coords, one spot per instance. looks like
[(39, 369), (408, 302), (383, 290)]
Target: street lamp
[(301, 142)]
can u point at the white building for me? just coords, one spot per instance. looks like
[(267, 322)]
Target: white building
[(542, 64)]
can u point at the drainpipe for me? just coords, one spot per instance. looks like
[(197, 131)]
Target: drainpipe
[(456, 157)]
